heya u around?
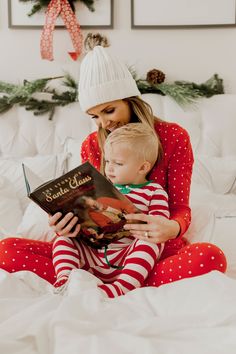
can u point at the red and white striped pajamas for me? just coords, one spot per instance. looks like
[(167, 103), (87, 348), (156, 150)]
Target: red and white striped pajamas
[(178, 260), (137, 257)]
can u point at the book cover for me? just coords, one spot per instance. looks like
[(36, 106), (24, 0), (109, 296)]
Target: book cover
[(85, 192)]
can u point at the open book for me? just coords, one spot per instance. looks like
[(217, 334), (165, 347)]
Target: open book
[(84, 191)]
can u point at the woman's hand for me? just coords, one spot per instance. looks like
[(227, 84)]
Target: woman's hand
[(155, 229), (65, 225)]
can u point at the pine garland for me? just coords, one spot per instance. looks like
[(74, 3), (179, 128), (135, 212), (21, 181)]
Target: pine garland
[(183, 92), (39, 5), (27, 95)]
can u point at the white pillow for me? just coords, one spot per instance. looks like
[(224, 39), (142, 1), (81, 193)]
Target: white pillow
[(45, 166), (167, 109), (218, 126), (216, 173), (73, 148), (34, 224), (10, 208)]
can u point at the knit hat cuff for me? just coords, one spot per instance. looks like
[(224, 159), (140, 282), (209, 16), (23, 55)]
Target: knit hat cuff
[(107, 92)]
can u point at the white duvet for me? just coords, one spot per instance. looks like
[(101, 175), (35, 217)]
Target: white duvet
[(192, 316)]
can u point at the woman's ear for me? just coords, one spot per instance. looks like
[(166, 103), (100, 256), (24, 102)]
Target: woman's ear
[(145, 168)]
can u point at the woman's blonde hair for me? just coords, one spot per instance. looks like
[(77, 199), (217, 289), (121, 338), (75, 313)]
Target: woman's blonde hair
[(141, 112), (138, 138)]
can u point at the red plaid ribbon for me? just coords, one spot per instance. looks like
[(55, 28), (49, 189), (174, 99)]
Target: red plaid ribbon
[(63, 8)]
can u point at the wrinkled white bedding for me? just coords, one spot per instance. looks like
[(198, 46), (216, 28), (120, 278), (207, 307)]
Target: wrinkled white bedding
[(191, 316)]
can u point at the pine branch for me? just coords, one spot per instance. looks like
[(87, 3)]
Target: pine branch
[(70, 82), (183, 95), (4, 104), (7, 88), (24, 92), (23, 95), (89, 4), (213, 86), (40, 107), (65, 98), (183, 92), (145, 87), (38, 6), (41, 4)]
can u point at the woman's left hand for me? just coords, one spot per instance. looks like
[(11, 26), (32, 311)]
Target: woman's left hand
[(155, 229)]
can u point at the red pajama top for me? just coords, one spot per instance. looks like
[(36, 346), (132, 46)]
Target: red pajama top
[(173, 172)]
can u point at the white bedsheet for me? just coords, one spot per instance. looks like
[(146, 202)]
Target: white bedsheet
[(192, 316)]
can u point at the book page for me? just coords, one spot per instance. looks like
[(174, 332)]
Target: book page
[(32, 181)]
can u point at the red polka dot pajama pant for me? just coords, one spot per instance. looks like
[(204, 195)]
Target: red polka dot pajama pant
[(36, 256), (18, 254)]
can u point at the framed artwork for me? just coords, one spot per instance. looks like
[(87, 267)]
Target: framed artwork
[(182, 13), (102, 17)]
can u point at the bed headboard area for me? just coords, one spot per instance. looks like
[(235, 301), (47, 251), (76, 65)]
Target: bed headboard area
[(210, 124)]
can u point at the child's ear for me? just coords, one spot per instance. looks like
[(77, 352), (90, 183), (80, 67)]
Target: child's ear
[(145, 168)]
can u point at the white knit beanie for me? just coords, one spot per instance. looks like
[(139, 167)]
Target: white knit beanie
[(103, 78)]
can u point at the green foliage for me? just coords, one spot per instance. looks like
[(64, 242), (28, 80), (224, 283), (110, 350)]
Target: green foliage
[(4, 104), (38, 5), (212, 86), (26, 95), (89, 4), (183, 92), (7, 88), (145, 87)]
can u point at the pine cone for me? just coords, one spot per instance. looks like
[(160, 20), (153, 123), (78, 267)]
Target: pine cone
[(155, 77)]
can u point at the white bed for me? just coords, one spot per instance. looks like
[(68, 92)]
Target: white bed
[(190, 316)]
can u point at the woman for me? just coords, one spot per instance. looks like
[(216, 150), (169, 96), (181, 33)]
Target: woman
[(109, 94)]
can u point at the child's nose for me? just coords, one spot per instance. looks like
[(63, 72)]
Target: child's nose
[(110, 167)]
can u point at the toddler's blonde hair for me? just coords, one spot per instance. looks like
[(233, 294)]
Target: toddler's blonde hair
[(139, 138)]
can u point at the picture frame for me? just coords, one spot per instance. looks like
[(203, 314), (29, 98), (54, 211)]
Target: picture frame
[(156, 14), (102, 17)]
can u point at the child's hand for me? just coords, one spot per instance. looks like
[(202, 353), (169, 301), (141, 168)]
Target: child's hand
[(67, 226)]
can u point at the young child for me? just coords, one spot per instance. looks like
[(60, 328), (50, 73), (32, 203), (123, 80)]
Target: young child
[(130, 153)]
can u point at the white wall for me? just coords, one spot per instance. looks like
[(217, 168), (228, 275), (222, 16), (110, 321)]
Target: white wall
[(183, 54)]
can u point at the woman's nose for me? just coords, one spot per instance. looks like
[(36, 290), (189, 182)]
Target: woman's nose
[(104, 123)]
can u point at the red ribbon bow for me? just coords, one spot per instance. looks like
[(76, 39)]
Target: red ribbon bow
[(63, 8)]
